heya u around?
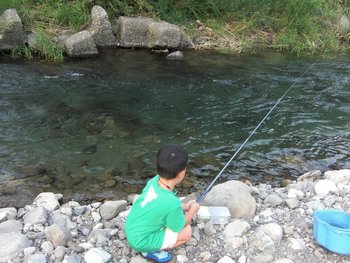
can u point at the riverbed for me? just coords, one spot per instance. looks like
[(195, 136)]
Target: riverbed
[(90, 128)]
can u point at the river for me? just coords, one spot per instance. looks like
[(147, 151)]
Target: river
[(90, 128)]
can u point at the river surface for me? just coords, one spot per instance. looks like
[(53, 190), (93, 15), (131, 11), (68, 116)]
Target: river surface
[(90, 128)]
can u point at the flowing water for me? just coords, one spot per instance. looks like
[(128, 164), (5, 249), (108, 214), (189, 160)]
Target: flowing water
[(90, 128)]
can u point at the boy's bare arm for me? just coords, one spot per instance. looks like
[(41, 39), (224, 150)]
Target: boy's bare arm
[(193, 208)]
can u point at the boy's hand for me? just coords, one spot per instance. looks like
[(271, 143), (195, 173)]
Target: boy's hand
[(194, 207), (191, 205), (186, 207)]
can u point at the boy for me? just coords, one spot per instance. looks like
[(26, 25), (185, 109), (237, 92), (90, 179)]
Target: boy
[(157, 220)]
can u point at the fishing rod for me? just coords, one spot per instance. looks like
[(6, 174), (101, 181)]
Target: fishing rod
[(200, 198)]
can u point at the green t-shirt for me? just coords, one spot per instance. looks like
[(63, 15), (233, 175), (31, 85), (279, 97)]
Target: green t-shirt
[(155, 209)]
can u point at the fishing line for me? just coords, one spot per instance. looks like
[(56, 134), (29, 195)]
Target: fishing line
[(200, 198)]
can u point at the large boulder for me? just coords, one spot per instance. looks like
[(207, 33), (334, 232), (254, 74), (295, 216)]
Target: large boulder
[(81, 44), (163, 35), (133, 31), (11, 30), (234, 195), (101, 29), (145, 32)]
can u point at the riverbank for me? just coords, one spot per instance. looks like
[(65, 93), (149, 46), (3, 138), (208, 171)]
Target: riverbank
[(280, 230), (225, 26)]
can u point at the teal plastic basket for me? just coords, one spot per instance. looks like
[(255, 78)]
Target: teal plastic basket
[(331, 229)]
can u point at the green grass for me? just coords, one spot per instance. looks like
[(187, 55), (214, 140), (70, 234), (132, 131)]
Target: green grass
[(302, 26)]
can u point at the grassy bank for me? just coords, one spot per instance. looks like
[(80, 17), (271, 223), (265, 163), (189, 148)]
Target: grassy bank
[(234, 26)]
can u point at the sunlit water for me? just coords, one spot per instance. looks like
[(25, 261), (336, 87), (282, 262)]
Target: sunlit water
[(91, 121)]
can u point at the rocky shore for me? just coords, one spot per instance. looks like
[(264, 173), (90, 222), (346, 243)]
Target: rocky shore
[(271, 225)]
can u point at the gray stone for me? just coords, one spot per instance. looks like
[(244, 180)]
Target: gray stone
[(59, 252), (37, 258), (72, 259), (163, 35), (101, 29), (10, 226), (273, 200), (11, 30), (29, 251), (8, 213), (274, 231), (81, 44), (36, 216), (209, 229), (100, 237), (310, 176), (261, 241), (47, 200), (315, 205), (264, 257), (226, 259), (236, 228), (344, 24), (111, 209), (57, 218), (284, 260), (138, 259), (232, 194), (292, 203), (11, 244), (58, 235), (133, 31)]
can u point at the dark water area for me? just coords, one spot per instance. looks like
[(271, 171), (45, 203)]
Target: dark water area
[(90, 128)]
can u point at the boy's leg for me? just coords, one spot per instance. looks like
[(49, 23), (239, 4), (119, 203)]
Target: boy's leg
[(183, 236)]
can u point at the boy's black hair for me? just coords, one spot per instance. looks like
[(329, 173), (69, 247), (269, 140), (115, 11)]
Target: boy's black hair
[(171, 159)]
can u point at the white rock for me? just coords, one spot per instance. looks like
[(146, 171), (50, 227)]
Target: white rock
[(242, 259), (28, 251), (96, 255), (295, 193), (274, 231), (47, 200), (236, 228), (296, 244), (37, 258), (284, 260), (205, 256), (235, 242), (323, 187), (11, 244), (181, 259), (47, 247), (226, 259), (338, 176), (86, 246), (96, 217)]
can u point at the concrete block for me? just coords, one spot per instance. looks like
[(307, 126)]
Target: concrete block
[(215, 214)]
